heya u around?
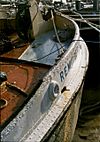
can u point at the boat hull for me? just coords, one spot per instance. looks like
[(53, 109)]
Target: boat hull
[(48, 110), (65, 127), (46, 106)]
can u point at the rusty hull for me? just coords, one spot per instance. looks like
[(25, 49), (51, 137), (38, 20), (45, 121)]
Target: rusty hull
[(23, 78)]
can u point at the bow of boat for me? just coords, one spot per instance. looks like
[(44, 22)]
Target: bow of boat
[(44, 84)]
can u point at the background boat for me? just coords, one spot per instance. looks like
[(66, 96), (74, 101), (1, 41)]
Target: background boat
[(83, 12), (12, 42)]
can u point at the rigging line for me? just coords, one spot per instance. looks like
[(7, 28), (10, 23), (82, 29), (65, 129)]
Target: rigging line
[(92, 41), (94, 24), (55, 44), (84, 20), (55, 29), (49, 54), (81, 20)]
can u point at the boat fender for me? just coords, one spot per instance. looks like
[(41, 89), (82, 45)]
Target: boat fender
[(54, 90)]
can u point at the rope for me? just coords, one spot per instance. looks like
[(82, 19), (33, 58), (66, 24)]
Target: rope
[(55, 29), (89, 23)]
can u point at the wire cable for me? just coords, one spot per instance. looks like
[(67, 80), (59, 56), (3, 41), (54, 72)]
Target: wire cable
[(48, 54)]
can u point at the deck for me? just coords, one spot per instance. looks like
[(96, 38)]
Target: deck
[(23, 79)]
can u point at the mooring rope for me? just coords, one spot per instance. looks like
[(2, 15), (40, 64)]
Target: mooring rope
[(55, 29), (94, 26)]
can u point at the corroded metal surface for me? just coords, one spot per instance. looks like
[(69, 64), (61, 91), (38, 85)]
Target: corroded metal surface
[(22, 79)]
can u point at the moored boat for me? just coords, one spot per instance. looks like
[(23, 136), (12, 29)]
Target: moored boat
[(43, 88), (7, 16)]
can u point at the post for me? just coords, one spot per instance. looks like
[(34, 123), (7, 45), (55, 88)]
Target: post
[(96, 5), (78, 5)]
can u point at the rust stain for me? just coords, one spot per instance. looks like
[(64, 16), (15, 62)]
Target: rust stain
[(22, 77)]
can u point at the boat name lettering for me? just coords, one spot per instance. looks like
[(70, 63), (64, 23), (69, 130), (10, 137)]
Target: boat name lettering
[(64, 72)]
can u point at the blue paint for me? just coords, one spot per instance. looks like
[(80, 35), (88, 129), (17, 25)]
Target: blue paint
[(64, 73), (62, 76), (65, 70)]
